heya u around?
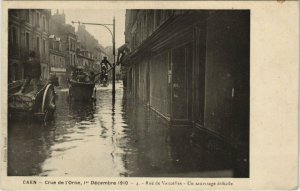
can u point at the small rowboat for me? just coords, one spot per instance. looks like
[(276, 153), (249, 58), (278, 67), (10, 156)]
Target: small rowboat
[(40, 104), (81, 91)]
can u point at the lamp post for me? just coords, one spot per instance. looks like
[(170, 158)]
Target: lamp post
[(114, 53)]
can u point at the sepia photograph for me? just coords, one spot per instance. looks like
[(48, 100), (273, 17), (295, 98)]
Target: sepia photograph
[(134, 93), (146, 95)]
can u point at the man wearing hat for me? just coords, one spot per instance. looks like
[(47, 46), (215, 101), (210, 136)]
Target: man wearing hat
[(32, 71)]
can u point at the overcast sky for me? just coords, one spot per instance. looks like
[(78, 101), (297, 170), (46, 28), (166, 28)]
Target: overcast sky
[(99, 16)]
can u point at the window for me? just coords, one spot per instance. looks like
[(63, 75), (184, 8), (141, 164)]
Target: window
[(150, 22), (15, 39), (44, 23), (37, 19), (38, 44), (169, 13), (13, 12), (53, 44), (145, 27), (54, 61), (157, 18), (72, 45), (56, 45), (27, 40), (26, 15), (44, 46)]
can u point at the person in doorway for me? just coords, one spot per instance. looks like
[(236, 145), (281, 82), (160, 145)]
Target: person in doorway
[(32, 71)]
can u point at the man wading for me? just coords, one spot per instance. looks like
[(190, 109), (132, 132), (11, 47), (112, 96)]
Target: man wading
[(32, 71)]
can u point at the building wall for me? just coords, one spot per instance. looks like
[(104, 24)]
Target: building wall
[(88, 63), (227, 73), (28, 30), (58, 67), (57, 60), (198, 68), (67, 34)]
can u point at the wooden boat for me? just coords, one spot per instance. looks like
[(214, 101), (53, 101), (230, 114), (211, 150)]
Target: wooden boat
[(81, 91), (40, 104)]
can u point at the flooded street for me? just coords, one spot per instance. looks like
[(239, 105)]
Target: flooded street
[(105, 139)]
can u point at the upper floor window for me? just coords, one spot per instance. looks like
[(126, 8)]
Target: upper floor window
[(14, 12), (169, 13), (145, 27), (44, 23), (52, 44), (37, 19), (26, 15), (56, 45), (27, 40), (38, 44), (44, 46), (15, 37), (157, 18)]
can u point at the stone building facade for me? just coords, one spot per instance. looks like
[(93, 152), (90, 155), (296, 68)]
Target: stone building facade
[(28, 30), (68, 39), (85, 60), (57, 60)]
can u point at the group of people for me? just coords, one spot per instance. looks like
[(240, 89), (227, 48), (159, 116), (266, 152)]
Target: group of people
[(79, 75)]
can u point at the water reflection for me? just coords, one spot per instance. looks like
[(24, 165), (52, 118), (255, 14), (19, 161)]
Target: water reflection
[(119, 138), (29, 146)]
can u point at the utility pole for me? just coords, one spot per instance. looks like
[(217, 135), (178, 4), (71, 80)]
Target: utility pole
[(113, 34), (114, 54)]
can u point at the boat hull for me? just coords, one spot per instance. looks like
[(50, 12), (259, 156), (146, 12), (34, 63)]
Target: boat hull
[(80, 91)]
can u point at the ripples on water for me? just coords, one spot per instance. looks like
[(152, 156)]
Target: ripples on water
[(107, 139)]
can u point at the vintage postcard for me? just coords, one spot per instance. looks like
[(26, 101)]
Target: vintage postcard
[(151, 95)]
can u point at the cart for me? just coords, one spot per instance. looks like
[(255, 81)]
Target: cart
[(36, 105), (81, 91)]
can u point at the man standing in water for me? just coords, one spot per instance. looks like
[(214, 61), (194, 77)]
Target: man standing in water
[(32, 71), (104, 66)]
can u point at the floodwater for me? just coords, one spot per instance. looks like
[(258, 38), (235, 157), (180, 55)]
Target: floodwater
[(113, 139)]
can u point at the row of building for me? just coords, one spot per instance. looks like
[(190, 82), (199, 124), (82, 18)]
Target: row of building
[(192, 68), (59, 47)]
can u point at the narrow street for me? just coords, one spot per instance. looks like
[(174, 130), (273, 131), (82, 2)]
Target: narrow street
[(102, 139)]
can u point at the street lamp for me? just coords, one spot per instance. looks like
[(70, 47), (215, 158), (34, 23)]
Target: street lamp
[(114, 46)]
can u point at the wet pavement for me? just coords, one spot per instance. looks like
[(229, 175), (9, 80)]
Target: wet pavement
[(113, 139)]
